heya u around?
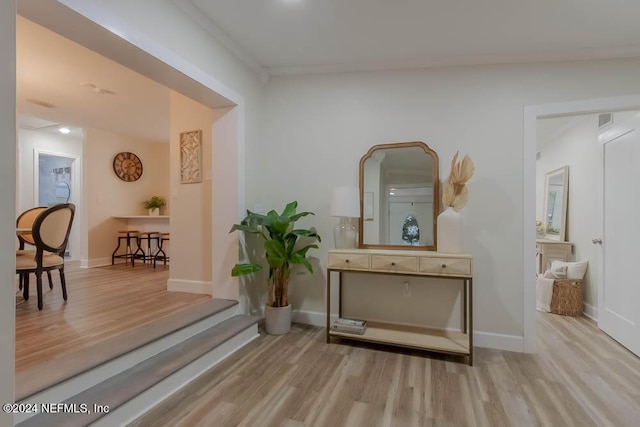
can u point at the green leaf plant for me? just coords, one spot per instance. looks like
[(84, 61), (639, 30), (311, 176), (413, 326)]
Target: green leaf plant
[(281, 248)]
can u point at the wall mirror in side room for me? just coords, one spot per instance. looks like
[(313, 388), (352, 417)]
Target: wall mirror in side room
[(399, 197), (556, 193)]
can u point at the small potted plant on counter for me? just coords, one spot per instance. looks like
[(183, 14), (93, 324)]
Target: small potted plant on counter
[(154, 204), (281, 253)]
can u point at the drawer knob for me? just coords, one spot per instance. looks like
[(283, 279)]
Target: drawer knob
[(346, 260), (393, 263), (444, 265)]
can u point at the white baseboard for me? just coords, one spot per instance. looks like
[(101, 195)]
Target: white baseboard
[(314, 318), (191, 286), (590, 311), (498, 341), (480, 339), (95, 262)]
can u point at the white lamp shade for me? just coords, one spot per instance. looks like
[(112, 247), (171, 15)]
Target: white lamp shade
[(345, 202)]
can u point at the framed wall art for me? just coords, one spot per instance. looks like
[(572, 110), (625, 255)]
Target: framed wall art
[(191, 157)]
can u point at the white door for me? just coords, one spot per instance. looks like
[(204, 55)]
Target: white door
[(619, 290)]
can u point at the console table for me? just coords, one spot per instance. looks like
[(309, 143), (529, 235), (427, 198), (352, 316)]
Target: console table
[(548, 251), (408, 263)]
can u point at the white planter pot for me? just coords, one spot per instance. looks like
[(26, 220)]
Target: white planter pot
[(154, 212), (450, 239), (277, 320)]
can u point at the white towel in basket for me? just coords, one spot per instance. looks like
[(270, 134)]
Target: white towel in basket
[(544, 292)]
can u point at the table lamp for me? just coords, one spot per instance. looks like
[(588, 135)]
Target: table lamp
[(345, 204)]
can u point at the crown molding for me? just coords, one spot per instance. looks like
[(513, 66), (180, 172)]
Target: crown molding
[(584, 54), (199, 17)]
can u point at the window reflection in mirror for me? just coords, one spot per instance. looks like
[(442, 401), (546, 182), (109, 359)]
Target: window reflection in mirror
[(555, 203), (399, 196)]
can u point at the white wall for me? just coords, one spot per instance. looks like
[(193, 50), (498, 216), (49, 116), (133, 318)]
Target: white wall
[(578, 148), (105, 195), (8, 161), (321, 125)]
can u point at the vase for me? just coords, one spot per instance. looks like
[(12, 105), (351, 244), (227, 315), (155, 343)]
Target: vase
[(450, 232), (154, 212), (277, 320)]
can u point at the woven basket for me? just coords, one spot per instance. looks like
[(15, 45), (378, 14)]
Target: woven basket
[(567, 297)]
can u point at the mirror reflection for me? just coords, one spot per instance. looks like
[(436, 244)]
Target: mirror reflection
[(555, 203), (399, 196)]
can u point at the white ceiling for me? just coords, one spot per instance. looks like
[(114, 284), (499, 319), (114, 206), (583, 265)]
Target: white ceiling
[(301, 36), (51, 68)]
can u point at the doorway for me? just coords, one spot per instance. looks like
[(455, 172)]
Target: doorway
[(56, 180), (618, 291), (531, 115)]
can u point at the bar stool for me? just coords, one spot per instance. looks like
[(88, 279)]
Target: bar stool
[(164, 237), (140, 251), (127, 236)]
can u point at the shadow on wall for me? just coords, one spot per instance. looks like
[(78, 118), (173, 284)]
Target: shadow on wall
[(254, 286), (484, 228)]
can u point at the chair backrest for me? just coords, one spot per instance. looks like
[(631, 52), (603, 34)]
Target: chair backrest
[(26, 220), (52, 227)]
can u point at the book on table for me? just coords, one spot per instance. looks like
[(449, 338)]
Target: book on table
[(350, 326)]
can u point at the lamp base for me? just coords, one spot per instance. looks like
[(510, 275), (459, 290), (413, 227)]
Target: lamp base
[(345, 234)]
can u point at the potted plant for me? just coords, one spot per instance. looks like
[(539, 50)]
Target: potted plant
[(154, 204), (282, 250)]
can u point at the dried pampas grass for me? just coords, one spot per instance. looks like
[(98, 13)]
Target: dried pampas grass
[(456, 194)]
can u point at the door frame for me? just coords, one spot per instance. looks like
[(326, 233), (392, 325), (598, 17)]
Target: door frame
[(76, 194), (531, 114)]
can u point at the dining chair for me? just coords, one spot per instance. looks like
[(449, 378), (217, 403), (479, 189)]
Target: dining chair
[(50, 235), (25, 221)]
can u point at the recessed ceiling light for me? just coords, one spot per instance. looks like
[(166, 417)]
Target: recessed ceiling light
[(64, 130), (97, 89)]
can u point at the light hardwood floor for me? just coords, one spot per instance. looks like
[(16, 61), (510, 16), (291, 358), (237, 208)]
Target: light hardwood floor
[(102, 303), (580, 377)]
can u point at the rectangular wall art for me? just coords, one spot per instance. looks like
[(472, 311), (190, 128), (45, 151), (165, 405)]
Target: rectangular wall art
[(191, 157)]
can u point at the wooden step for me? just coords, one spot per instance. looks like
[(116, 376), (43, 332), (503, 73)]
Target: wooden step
[(137, 389), (55, 373)]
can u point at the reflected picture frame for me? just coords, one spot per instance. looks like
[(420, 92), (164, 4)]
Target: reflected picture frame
[(367, 206)]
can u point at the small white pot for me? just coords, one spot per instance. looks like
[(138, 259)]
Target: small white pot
[(154, 212), (277, 320)]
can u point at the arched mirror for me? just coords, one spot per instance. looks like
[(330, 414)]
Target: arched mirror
[(556, 191), (399, 197)]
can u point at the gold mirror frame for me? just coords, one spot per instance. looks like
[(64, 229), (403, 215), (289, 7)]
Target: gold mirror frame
[(436, 196)]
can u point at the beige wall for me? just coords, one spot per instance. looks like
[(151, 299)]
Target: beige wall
[(202, 250), (225, 202), (191, 203), (7, 207), (106, 195)]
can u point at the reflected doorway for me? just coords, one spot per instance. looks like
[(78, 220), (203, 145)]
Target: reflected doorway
[(55, 182)]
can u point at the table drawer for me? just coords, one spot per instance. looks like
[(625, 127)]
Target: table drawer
[(400, 264), (349, 261), (446, 266)]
